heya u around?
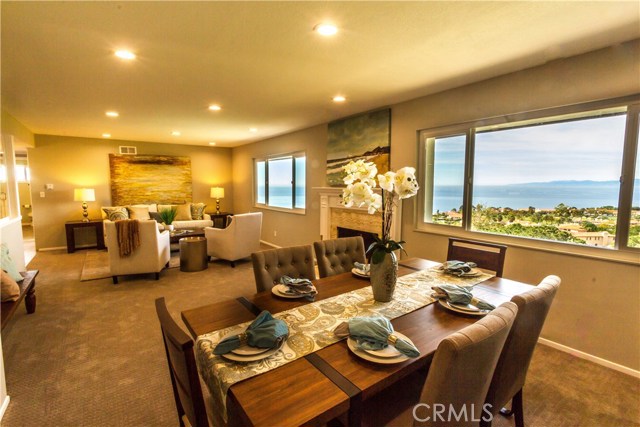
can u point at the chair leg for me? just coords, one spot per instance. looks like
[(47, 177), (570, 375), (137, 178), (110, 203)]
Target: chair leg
[(158, 276), (517, 408), (233, 264), (485, 423), (506, 412), (115, 279)]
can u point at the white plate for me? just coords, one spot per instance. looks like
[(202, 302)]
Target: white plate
[(281, 291), (254, 357), (360, 273), (473, 273), (452, 307), (247, 350), (371, 356)]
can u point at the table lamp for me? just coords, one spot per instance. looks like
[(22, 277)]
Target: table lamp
[(217, 193), (84, 195)]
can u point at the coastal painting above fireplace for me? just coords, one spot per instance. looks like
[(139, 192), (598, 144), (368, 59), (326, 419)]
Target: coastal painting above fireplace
[(366, 136), (150, 179)]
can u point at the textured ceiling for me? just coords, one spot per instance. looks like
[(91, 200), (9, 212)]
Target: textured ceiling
[(264, 65)]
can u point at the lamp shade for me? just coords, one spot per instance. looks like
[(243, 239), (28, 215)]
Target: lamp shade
[(217, 193), (84, 195)]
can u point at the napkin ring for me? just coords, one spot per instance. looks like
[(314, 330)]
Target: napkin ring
[(243, 338), (392, 339)]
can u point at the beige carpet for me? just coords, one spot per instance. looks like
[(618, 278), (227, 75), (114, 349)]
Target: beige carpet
[(93, 355), (96, 265)]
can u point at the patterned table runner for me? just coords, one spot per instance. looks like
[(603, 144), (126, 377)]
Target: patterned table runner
[(311, 327)]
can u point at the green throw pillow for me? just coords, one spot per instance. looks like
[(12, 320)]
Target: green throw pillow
[(114, 214), (8, 265), (197, 210)]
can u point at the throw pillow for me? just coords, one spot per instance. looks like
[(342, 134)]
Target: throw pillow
[(114, 214), (184, 212), (156, 216), (138, 211), (197, 210), (8, 265), (9, 290)]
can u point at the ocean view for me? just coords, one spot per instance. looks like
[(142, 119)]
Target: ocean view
[(580, 194)]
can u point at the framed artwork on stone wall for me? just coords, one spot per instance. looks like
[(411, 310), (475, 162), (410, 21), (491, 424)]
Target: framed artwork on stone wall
[(150, 179), (365, 136)]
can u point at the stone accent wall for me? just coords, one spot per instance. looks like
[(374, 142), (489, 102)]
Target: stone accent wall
[(356, 220)]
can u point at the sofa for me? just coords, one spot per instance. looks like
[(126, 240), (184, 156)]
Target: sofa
[(190, 215)]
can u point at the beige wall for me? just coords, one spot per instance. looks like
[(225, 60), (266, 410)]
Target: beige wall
[(597, 310), (291, 229), (69, 163)]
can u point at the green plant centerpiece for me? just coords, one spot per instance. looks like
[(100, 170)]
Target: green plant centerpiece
[(361, 178), (168, 216)]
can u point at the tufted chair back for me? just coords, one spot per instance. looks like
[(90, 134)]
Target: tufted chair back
[(338, 255), (270, 265)]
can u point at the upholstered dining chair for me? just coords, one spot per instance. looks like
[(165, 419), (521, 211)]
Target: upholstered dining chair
[(151, 256), (270, 265), (459, 375), (238, 240), (337, 256), (487, 256), (511, 371), (185, 382)]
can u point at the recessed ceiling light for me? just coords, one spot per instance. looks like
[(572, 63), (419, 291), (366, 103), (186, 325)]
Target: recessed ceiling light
[(254, 130), (176, 133), (212, 143), (125, 54), (215, 107), (339, 98), (325, 29), (106, 135), (112, 113)]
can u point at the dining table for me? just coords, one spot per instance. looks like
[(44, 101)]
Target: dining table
[(331, 382)]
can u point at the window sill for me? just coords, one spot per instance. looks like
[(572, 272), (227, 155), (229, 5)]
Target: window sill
[(296, 211), (628, 256)]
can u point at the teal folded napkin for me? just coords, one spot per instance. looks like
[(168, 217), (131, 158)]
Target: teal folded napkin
[(300, 286), (263, 332), (362, 267), (460, 295), (375, 333), (457, 268)]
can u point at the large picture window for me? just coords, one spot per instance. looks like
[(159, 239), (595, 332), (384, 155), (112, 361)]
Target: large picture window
[(280, 182), (553, 178)]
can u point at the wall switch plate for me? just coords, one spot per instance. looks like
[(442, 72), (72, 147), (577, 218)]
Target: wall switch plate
[(48, 187), (42, 194)]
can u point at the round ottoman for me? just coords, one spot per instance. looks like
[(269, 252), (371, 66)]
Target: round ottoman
[(193, 254)]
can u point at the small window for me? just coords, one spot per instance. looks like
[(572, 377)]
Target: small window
[(281, 182)]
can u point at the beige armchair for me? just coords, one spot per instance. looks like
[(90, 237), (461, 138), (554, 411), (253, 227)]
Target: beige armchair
[(151, 256), (238, 240)]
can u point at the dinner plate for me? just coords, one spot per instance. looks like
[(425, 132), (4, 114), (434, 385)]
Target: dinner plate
[(360, 273), (247, 350), (453, 307), (379, 356), (281, 291), (473, 273), (253, 357)]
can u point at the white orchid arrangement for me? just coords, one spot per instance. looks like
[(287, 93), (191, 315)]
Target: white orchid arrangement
[(361, 180)]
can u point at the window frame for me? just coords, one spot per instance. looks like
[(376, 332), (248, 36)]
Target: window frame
[(266, 159), (621, 252)]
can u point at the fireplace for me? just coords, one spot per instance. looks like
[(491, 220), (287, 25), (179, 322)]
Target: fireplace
[(367, 236)]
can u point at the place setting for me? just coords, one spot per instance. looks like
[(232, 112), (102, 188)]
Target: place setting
[(460, 299), (295, 288), (374, 339), (460, 268), (264, 337), (361, 270)]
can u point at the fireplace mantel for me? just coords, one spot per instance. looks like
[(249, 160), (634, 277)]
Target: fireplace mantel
[(331, 199)]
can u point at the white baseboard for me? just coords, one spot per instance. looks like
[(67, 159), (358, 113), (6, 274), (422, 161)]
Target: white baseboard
[(590, 357), (55, 248), (4, 406), (269, 244)]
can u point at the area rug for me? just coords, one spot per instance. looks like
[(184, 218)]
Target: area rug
[(96, 265)]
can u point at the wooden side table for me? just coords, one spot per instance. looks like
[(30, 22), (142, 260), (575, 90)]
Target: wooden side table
[(70, 227), (220, 218)]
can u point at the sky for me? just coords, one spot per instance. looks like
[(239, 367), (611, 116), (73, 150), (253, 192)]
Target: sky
[(576, 150)]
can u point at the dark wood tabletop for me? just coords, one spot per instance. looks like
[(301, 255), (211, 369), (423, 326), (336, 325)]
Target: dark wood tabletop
[(336, 368)]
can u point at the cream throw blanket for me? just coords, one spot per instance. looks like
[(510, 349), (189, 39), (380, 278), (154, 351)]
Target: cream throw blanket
[(128, 232)]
